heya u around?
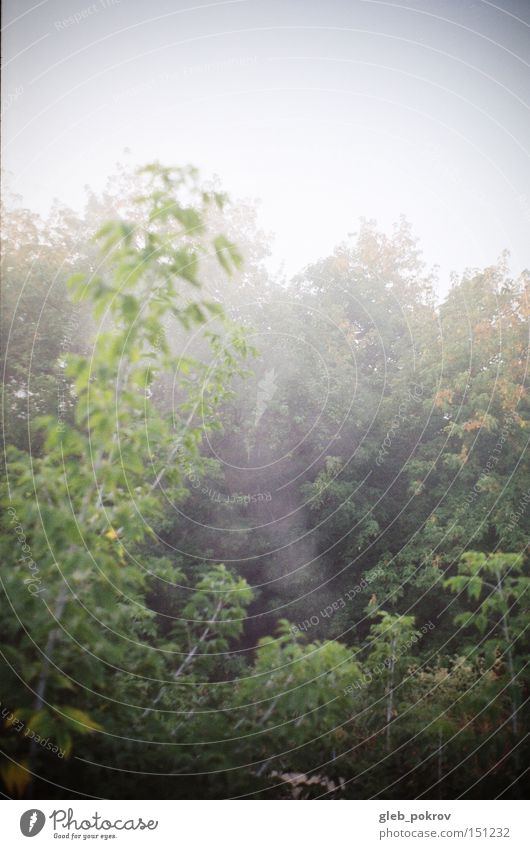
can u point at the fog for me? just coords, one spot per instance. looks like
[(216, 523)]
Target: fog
[(324, 111), (265, 406)]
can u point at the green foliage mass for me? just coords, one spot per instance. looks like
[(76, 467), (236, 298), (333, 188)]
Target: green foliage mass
[(255, 538)]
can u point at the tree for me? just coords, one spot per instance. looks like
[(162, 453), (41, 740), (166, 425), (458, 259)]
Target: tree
[(496, 583), (81, 511)]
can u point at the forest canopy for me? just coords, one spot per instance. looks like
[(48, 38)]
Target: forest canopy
[(261, 538)]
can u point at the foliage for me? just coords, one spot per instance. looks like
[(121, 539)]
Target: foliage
[(294, 576)]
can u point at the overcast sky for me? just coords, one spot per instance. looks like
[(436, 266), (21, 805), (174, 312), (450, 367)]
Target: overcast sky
[(325, 110)]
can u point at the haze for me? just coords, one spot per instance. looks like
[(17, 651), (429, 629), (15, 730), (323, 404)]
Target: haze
[(324, 111)]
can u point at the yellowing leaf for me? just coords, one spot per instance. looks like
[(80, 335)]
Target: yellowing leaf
[(84, 724), (16, 777)]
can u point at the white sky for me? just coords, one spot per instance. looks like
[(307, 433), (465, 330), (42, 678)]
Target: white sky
[(326, 111)]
